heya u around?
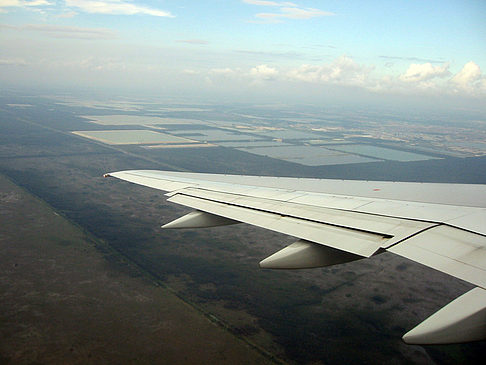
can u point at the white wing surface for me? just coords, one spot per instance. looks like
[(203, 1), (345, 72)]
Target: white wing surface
[(442, 226)]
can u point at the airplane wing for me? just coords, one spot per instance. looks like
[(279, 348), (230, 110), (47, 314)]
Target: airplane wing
[(442, 226)]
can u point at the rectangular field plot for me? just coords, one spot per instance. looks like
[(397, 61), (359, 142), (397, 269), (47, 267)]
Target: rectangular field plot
[(383, 153), (137, 120), (289, 134), (114, 137), (252, 144), (308, 155), (215, 135)]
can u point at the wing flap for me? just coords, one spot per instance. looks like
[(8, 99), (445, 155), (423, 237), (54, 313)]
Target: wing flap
[(475, 221), (391, 229), (357, 242), (448, 249)]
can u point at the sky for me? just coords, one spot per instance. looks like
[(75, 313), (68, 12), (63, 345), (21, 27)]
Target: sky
[(250, 50)]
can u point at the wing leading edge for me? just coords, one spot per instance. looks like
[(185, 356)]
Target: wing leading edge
[(335, 221)]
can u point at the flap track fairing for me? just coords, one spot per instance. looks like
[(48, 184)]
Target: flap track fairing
[(199, 219), (305, 255), (462, 320)]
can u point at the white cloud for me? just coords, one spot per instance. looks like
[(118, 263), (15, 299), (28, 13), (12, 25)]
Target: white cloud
[(61, 31), (6, 3), (342, 71), (408, 58), (287, 10), (424, 72), (8, 26), (193, 41), (261, 2), (12, 62), (468, 76), (435, 80), (115, 7), (269, 3), (270, 54), (37, 3), (417, 79), (294, 13), (263, 72), (469, 80), (222, 71), (67, 15), (23, 4), (94, 64)]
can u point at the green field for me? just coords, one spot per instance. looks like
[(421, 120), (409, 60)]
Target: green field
[(121, 119), (383, 153), (131, 137)]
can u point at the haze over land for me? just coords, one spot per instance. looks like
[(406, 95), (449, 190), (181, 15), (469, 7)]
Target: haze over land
[(405, 54)]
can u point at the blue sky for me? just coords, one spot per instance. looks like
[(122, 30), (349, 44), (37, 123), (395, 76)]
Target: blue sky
[(248, 48)]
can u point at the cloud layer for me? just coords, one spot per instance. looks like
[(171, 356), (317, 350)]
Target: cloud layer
[(112, 7), (470, 79), (61, 31), (285, 10), (32, 4), (193, 41), (423, 72), (422, 78), (115, 7), (249, 60)]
